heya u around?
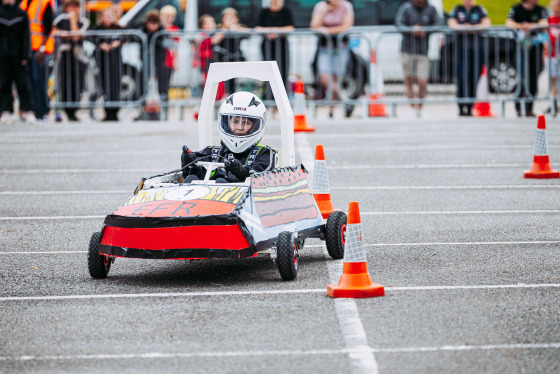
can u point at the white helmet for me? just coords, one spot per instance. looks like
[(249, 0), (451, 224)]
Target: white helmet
[(241, 119)]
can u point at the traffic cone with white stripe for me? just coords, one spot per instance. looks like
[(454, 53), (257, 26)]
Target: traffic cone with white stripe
[(541, 163), (355, 281), (321, 190), (375, 109), (300, 123), (481, 107)]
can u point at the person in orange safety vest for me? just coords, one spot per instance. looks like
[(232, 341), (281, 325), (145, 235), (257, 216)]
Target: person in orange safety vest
[(41, 15)]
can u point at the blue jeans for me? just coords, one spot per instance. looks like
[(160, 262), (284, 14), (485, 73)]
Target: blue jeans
[(39, 86)]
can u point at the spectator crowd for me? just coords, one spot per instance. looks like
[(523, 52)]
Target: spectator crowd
[(27, 47)]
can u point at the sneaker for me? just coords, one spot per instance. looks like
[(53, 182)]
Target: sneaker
[(29, 117), (6, 117), (418, 113)]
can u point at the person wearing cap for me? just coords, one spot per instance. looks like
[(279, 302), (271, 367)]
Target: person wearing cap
[(241, 121)]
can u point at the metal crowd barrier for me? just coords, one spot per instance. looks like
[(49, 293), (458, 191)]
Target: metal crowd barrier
[(99, 68), (193, 52), (455, 58), (170, 67)]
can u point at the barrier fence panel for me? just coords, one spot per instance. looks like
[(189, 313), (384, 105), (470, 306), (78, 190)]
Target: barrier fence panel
[(99, 68), (539, 61), (192, 52), (362, 66), (450, 62)]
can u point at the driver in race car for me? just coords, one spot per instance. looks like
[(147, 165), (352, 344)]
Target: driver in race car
[(241, 121)]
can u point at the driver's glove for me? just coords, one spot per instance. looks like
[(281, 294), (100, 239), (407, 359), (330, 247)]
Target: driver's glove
[(234, 166), (187, 156)]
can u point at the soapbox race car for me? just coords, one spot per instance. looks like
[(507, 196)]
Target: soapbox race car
[(270, 213)]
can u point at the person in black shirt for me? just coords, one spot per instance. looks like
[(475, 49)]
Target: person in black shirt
[(526, 17), (466, 19), (109, 62), (151, 26), (14, 60), (70, 58), (274, 46)]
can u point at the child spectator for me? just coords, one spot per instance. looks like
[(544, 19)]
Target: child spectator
[(205, 50), (229, 44), (241, 122), (553, 32), (167, 16)]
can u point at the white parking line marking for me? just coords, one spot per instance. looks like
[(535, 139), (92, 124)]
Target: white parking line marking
[(94, 192), (459, 212), (424, 166), (268, 292), (49, 218), (470, 348), (474, 187), (361, 213), (355, 338), (160, 355), (456, 147), (381, 188), (73, 171), (426, 244), (164, 295), (42, 253)]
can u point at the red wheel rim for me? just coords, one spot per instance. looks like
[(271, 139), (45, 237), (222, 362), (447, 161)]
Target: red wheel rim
[(343, 234), (296, 257), (105, 261)]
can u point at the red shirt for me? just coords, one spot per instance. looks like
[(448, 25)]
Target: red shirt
[(553, 32), (170, 54)]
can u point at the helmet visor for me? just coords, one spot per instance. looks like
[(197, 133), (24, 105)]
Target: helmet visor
[(240, 125)]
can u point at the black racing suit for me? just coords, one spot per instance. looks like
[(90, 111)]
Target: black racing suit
[(256, 159)]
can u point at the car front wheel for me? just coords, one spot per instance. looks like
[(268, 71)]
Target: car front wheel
[(287, 256), (98, 264)]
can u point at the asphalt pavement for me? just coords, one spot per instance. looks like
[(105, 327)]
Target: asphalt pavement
[(466, 248)]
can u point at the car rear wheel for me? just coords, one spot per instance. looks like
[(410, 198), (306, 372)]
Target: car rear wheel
[(287, 256), (98, 264), (335, 235)]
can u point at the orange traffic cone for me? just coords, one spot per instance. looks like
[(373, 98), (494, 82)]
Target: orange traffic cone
[(541, 164), (355, 281), (481, 107), (321, 190), (300, 123), (375, 109)]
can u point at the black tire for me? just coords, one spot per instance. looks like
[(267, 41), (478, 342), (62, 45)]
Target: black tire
[(98, 265), (335, 235), (287, 256)]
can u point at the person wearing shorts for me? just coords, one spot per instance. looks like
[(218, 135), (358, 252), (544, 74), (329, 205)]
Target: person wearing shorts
[(553, 33), (332, 17), (528, 18), (415, 16)]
